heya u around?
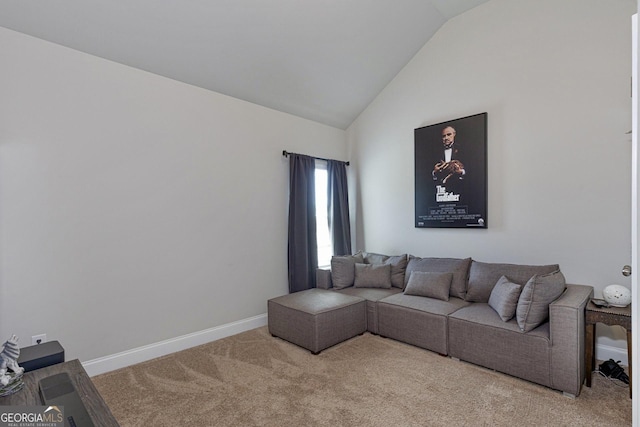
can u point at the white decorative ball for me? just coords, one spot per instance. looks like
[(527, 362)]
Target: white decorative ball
[(617, 295)]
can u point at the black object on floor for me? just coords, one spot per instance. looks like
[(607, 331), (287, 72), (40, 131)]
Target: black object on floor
[(612, 369)]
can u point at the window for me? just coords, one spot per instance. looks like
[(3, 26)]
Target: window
[(325, 248)]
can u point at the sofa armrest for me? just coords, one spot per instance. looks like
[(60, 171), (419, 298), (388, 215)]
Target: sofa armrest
[(566, 323), (323, 278)]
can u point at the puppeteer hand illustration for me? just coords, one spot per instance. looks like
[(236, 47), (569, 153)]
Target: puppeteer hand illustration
[(444, 171)]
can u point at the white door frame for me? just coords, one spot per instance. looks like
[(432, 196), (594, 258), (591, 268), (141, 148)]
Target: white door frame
[(635, 209)]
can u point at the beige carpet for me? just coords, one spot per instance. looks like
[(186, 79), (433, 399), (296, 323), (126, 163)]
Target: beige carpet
[(253, 379)]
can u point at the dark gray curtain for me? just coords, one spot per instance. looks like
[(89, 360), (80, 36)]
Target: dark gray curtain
[(338, 207), (303, 249)]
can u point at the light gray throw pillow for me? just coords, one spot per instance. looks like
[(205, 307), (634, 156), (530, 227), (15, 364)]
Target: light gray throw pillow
[(398, 266), (373, 276), (537, 294), (456, 266), (374, 258), (429, 284), (343, 270), (504, 298), (398, 269)]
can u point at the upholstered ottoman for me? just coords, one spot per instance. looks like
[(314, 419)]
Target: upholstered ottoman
[(317, 318)]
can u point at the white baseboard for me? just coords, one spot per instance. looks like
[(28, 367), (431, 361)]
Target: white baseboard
[(141, 354), (162, 348), (606, 352)]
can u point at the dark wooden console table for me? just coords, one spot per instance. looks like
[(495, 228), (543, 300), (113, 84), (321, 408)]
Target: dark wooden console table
[(609, 316), (30, 394)]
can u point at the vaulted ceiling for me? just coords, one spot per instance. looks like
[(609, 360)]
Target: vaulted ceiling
[(324, 60)]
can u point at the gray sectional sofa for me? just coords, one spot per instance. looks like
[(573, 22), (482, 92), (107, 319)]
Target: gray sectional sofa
[(522, 320)]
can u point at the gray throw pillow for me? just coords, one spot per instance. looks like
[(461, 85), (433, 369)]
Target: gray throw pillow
[(373, 276), (458, 267), (504, 298), (537, 294), (398, 266), (343, 270), (373, 258), (398, 269), (429, 284), (483, 277)]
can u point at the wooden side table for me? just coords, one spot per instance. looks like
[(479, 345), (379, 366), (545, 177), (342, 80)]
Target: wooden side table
[(30, 394), (609, 316)]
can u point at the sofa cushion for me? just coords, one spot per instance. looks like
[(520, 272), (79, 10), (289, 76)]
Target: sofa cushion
[(343, 270), (416, 320), (429, 284), (372, 276), (398, 266), (484, 276), (370, 294), (504, 298), (478, 335), (537, 294), (374, 258), (428, 305), (458, 267), (483, 315)]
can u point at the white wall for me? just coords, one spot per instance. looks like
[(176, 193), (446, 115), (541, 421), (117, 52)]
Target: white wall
[(554, 78), (134, 208)]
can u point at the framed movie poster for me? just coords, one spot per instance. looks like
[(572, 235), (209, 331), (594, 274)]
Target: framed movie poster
[(451, 174)]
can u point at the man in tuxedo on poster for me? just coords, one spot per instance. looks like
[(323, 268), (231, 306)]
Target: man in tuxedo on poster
[(449, 171)]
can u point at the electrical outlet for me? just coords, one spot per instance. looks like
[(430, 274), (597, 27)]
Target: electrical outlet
[(38, 339)]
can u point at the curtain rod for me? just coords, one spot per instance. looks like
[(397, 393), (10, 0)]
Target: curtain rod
[(286, 154)]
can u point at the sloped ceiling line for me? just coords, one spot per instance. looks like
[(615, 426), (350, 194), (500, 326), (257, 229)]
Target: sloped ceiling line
[(323, 60)]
